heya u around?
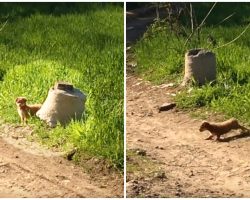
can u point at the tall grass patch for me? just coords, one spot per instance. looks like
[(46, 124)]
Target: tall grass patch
[(81, 46)]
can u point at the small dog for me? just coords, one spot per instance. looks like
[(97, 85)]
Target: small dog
[(24, 110), (218, 129)]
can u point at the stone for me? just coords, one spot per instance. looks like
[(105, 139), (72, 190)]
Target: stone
[(141, 152), (166, 106), (60, 85), (160, 174)]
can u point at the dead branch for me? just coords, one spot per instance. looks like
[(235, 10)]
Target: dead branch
[(4, 24), (234, 38), (201, 24), (226, 18), (191, 17)]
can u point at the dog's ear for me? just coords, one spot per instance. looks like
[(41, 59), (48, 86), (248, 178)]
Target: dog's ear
[(204, 122), (22, 99)]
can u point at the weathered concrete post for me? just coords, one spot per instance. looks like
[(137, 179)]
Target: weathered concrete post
[(63, 103), (200, 66)]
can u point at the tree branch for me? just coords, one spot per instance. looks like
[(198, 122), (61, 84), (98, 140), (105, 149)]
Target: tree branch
[(201, 24), (234, 38), (4, 24)]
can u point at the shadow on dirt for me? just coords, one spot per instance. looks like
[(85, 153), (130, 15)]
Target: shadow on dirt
[(235, 137)]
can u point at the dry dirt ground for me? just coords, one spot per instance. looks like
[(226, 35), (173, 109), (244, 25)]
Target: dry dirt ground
[(29, 170), (167, 156)]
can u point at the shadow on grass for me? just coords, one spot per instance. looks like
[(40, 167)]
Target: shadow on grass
[(2, 73), (239, 11), (25, 9)]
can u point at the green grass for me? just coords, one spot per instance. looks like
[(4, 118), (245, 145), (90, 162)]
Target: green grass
[(160, 58), (82, 45)]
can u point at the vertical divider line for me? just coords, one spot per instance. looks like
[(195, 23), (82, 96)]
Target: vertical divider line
[(125, 93)]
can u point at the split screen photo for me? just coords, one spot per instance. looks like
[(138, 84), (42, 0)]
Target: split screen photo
[(124, 99)]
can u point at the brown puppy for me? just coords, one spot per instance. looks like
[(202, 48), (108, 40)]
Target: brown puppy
[(24, 110), (218, 129)]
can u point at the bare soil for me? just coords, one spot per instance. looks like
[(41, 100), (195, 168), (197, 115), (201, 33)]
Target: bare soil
[(167, 156), (30, 170)]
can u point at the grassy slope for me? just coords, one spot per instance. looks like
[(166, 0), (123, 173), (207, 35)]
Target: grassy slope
[(83, 45), (160, 57)]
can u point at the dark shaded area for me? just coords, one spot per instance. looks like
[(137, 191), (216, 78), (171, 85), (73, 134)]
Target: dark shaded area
[(223, 10), (2, 73), (240, 11), (139, 16), (135, 5), (12, 10), (136, 28)]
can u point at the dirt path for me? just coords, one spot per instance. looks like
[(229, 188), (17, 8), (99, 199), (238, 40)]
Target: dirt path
[(136, 28), (190, 165), (138, 20), (28, 170)]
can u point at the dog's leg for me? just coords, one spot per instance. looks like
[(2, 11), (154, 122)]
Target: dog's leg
[(22, 120), (244, 129), (210, 137), (218, 138), (25, 120)]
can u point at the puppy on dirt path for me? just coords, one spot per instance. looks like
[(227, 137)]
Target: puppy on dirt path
[(24, 110), (218, 129)]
